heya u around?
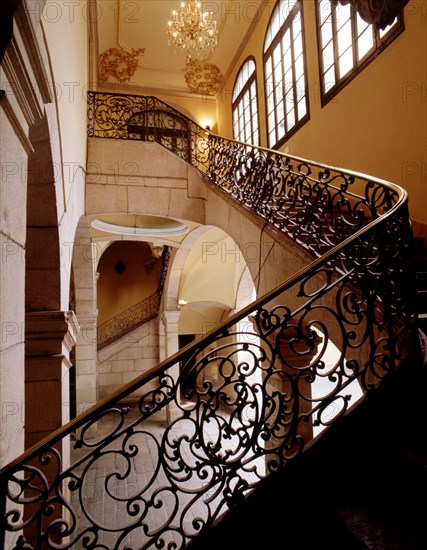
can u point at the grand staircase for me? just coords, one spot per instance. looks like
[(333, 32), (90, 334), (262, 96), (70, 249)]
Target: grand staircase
[(362, 486), (236, 465)]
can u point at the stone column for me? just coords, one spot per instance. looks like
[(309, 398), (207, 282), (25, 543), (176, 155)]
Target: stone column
[(50, 336), (162, 346), (170, 320), (86, 363)]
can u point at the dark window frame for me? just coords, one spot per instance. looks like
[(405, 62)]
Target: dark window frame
[(246, 87), (267, 53), (380, 43)]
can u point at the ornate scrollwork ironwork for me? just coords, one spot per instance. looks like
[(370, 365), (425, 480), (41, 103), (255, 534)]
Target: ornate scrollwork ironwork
[(258, 390), (146, 118), (128, 320)]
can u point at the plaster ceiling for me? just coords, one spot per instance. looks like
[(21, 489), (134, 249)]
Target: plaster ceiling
[(140, 26), (156, 229)]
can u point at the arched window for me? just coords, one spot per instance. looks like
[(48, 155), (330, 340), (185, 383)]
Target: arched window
[(245, 104), (285, 72), (347, 44)]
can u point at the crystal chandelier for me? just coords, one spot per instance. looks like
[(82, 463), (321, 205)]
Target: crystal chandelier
[(193, 30)]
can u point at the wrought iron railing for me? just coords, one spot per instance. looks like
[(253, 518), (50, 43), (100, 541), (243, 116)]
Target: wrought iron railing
[(118, 326), (124, 116), (261, 381), (112, 330)]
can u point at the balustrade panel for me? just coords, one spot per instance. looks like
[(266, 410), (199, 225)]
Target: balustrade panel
[(250, 396)]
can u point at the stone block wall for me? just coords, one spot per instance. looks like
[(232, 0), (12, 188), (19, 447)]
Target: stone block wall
[(128, 358)]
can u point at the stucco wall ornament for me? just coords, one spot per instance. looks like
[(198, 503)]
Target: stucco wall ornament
[(379, 13), (119, 63), (202, 78)]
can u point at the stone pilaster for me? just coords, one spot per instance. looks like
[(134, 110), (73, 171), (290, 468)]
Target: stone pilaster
[(86, 363), (50, 336), (170, 320)]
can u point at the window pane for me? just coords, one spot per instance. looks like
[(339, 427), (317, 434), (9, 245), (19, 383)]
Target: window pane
[(280, 132), (344, 38), (365, 43), (302, 109), (277, 55), (289, 100), (244, 96), (290, 120), (361, 24), (300, 88), (328, 56), (345, 62), (287, 58), (298, 45), (286, 61), (325, 8), (342, 15), (270, 98), (326, 33), (272, 120), (296, 25), (280, 115), (299, 67), (268, 68), (289, 78), (329, 79)]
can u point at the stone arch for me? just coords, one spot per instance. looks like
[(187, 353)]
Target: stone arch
[(42, 277), (84, 261), (50, 327), (177, 265)]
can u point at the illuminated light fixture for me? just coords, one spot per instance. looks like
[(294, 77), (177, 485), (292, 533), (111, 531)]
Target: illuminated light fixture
[(192, 30), (181, 303)]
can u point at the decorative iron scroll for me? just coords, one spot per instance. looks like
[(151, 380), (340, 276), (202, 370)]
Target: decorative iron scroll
[(129, 320), (259, 389), (146, 118), (136, 315)]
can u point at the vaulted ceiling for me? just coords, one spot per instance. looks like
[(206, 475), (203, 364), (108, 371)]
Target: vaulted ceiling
[(131, 44)]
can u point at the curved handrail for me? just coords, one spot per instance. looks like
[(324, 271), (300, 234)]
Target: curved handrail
[(252, 385), (194, 346)]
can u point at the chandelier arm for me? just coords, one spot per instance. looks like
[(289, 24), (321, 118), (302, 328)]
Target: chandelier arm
[(192, 30)]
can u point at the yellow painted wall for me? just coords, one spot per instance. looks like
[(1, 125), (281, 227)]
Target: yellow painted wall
[(116, 292), (376, 125)]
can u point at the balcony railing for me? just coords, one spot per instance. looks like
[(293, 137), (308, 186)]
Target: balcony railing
[(258, 389)]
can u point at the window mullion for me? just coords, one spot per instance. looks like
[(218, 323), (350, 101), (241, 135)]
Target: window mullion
[(354, 37), (294, 74), (335, 43), (283, 72)]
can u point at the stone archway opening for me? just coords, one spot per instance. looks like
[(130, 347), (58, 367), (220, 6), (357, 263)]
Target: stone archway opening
[(49, 331)]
